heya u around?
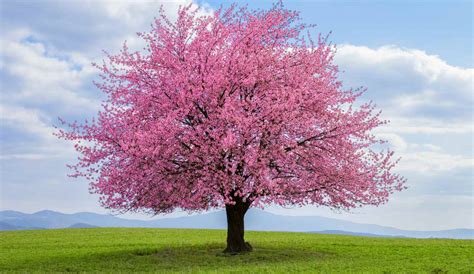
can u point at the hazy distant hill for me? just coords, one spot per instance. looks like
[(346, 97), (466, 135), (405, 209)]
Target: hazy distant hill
[(7, 226), (81, 225), (341, 232), (255, 220)]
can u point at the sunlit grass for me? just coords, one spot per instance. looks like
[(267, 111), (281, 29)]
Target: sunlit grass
[(193, 250)]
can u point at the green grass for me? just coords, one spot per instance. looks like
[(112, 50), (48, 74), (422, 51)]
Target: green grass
[(188, 250)]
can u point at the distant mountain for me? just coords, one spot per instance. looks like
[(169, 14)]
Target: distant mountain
[(81, 225), (341, 232), (53, 219), (7, 226), (255, 220)]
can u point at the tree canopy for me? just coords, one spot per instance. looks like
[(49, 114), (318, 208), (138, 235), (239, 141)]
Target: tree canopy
[(233, 106)]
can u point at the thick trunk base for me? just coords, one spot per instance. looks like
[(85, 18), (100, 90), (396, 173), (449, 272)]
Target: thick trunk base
[(241, 248), (235, 228)]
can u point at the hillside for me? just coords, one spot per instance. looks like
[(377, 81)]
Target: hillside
[(255, 219), (193, 250)]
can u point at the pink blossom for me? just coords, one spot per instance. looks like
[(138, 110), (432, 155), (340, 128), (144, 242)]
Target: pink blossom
[(234, 105)]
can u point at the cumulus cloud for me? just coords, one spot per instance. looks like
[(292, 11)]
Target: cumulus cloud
[(28, 135), (409, 81), (431, 160), (425, 158), (89, 26), (433, 163), (39, 83), (35, 76), (27, 120), (412, 124), (422, 96)]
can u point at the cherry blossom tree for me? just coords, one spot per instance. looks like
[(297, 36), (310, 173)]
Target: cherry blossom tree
[(235, 109)]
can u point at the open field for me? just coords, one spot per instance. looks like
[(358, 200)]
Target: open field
[(189, 250)]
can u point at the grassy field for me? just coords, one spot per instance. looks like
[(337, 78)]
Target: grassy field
[(188, 250)]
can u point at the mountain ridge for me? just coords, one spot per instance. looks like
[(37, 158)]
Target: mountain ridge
[(255, 219)]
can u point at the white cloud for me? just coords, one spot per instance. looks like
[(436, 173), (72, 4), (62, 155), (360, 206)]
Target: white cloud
[(27, 120), (91, 26), (132, 17), (396, 141), (420, 125), (422, 96), (41, 78), (424, 158), (35, 125), (409, 81), (131, 10), (432, 163)]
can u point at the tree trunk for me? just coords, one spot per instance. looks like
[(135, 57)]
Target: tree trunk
[(235, 228)]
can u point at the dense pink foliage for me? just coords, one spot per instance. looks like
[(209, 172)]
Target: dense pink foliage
[(238, 103)]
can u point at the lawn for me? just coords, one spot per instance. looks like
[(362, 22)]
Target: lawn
[(194, 250)]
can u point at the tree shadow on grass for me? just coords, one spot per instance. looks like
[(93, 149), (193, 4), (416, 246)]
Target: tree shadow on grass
[(185, 258)]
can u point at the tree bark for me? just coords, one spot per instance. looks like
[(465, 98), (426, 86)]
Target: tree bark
[(235, 228)]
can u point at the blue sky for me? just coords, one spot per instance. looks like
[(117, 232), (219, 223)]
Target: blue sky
[(415, 58)]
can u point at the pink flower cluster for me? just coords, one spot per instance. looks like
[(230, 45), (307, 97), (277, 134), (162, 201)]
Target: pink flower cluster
[(235, 104)]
